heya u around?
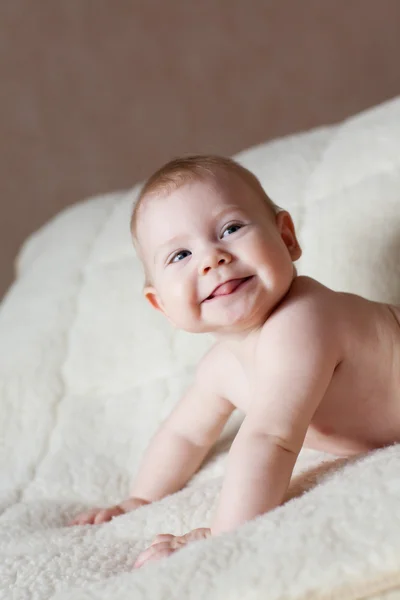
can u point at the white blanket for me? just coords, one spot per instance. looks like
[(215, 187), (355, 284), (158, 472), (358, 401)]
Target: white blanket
[(88, 371)]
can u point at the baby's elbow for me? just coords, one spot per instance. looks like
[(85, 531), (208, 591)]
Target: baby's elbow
[(283, 443), (271, 441)]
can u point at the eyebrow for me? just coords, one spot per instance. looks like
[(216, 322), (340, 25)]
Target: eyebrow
[(168, 243), (228, 209)]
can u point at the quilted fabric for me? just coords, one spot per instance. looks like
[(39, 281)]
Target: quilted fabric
[(88, 371)]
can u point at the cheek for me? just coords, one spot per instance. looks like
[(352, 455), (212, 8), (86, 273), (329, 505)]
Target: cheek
[(257, 251), (176, 288), (269, 257)]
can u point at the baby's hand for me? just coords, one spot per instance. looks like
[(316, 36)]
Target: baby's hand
[(95, 516), (166, 544)]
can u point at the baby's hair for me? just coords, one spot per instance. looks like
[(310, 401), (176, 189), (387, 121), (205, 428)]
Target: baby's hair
[(183, 170)]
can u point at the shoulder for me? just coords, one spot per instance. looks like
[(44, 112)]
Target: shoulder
[(307, 299), (306, 317)]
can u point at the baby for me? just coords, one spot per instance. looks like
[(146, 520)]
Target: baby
[(307, 365)]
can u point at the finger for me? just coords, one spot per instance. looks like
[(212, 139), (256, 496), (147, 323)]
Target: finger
[(154, 557), (153, 553), (117, 511), (163, 537), (83, 519), (101, 517), (197, 534), (107, 514), (86, 517)]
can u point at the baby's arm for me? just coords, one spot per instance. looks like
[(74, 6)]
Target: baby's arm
[(177, 449), (295, 360), (182, 442)]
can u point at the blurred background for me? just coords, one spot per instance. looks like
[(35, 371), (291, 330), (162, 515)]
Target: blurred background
[(96, 94)]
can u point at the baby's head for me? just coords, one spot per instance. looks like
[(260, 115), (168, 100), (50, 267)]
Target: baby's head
[(217, 252)]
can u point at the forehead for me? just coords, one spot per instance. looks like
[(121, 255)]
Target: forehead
[(183, 210)]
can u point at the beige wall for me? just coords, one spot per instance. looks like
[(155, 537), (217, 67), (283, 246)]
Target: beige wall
[(96, 94)]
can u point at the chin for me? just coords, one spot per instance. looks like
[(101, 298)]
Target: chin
[(250, 314), (193, 327)]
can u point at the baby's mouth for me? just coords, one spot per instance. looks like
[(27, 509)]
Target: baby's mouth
[(227, 288)]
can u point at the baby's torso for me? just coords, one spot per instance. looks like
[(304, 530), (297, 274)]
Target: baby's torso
[(361, 407)]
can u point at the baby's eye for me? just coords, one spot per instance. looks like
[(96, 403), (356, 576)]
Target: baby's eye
[(178, 256), (231, 229)]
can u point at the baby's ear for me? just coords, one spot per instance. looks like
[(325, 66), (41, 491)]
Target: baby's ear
[(152, 297), (288, 234)]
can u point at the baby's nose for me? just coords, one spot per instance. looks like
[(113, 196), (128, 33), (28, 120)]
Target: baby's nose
[(213, 260)]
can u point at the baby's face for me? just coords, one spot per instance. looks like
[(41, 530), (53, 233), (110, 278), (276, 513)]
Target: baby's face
[(217, 257)]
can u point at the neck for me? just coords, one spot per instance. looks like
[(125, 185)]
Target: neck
[(237, 337)]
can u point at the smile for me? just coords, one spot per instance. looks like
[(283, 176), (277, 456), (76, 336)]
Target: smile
[(228, 288)]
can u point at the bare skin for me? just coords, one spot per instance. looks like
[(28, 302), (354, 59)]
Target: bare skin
[(308, 366)]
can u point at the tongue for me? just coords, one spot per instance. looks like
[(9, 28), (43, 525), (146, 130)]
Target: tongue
[(227, 288)]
